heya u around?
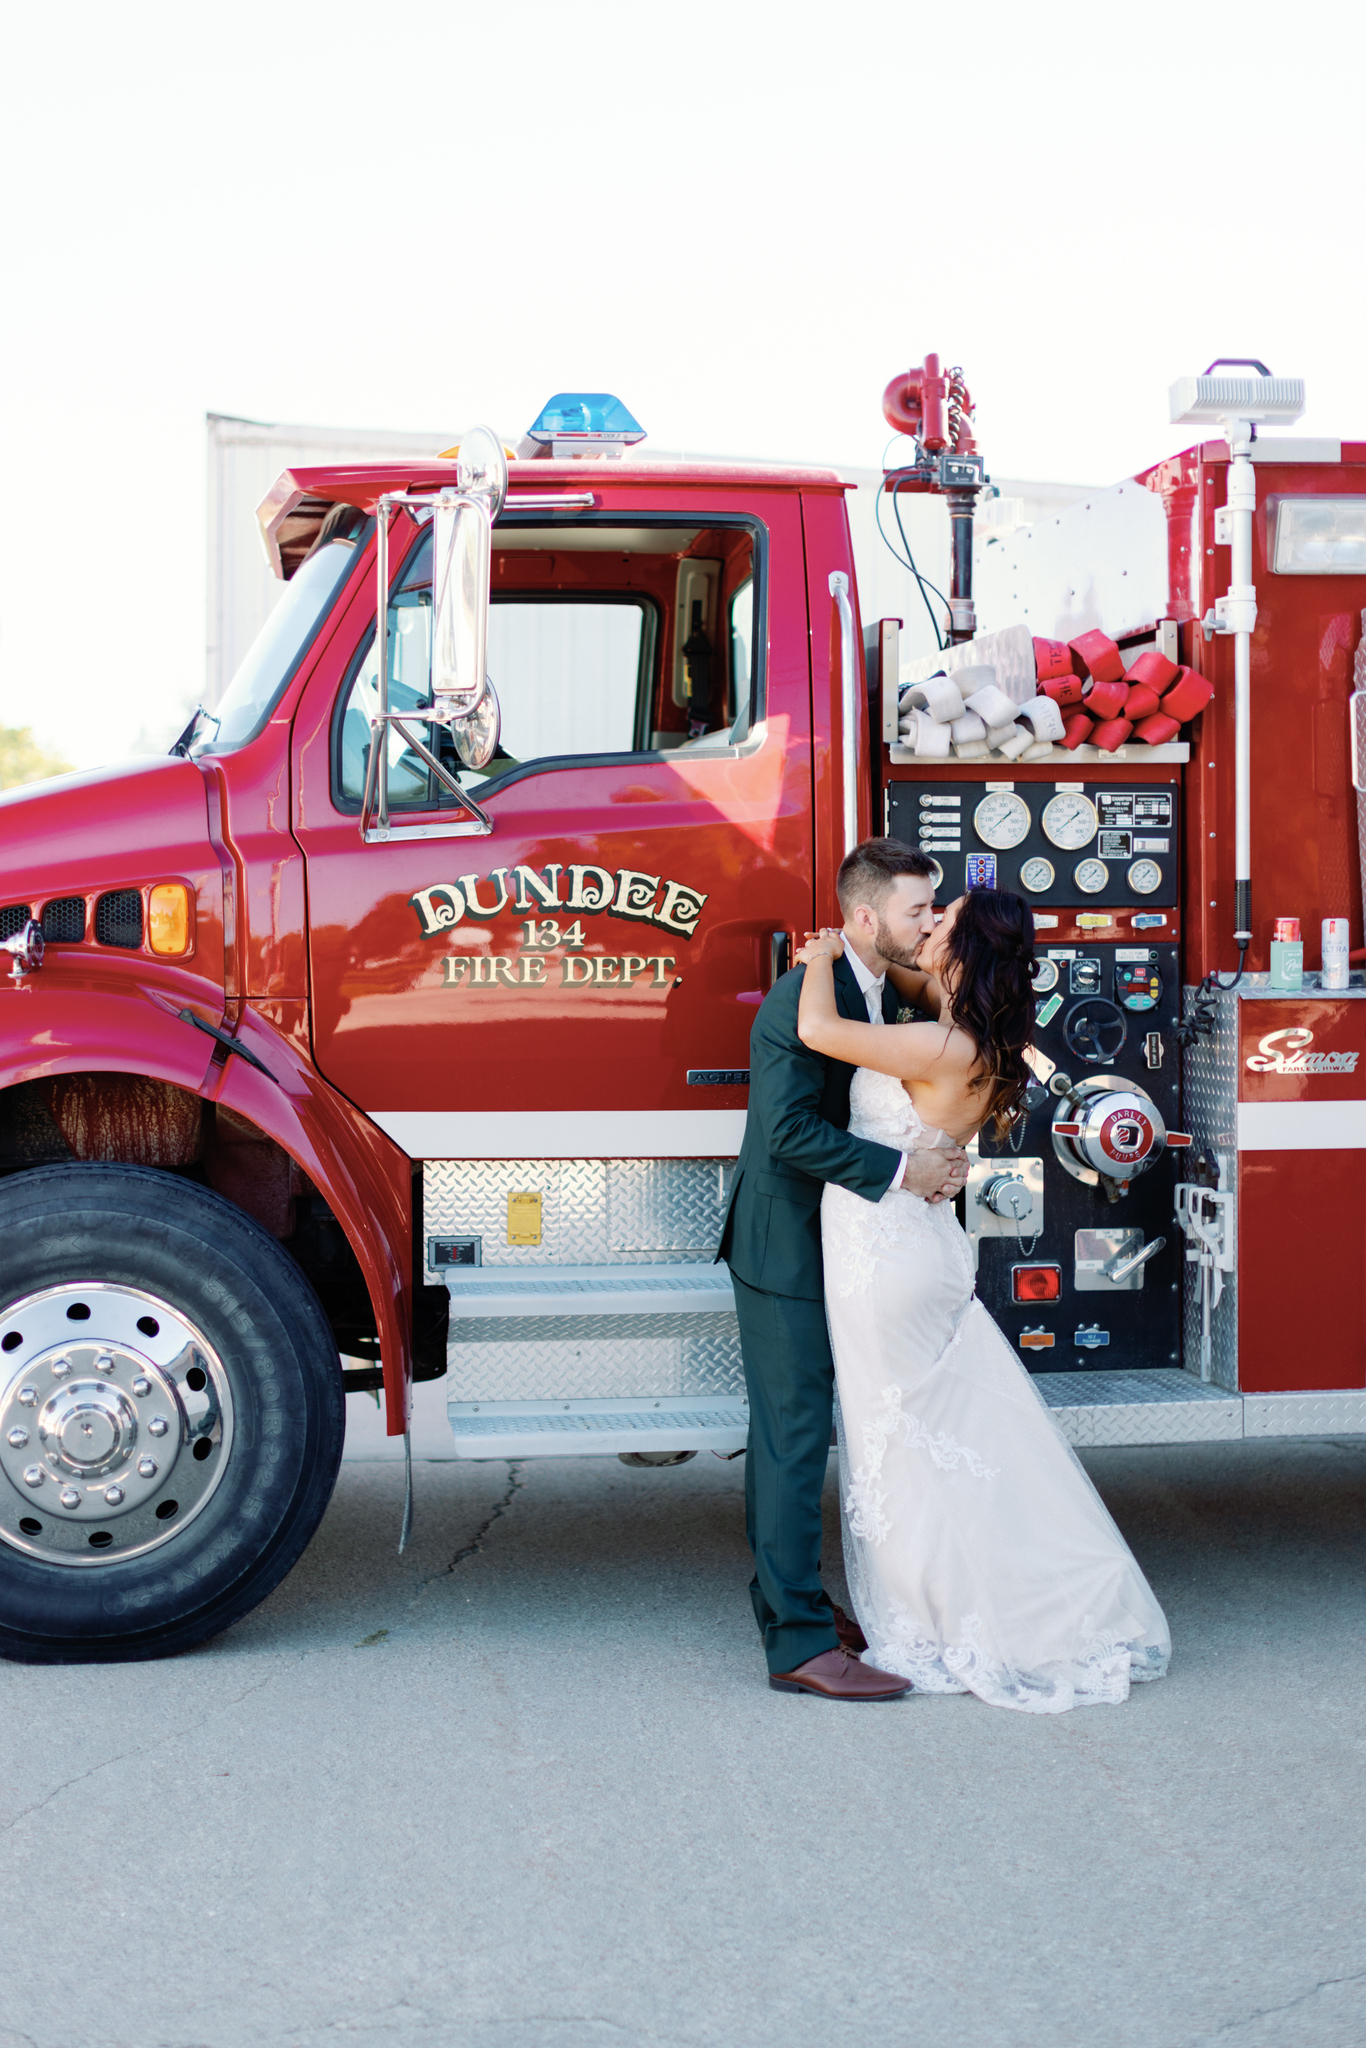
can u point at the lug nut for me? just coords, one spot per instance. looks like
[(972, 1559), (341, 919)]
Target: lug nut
[(114, 1496), (158, 1426), (69, 1497), (147, 1468), (105, 1362), (34, 1475), (17, 1439), (141, 1386), (60, 1368), (27, 1396)]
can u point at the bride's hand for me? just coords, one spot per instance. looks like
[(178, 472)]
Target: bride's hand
[(822, 945)]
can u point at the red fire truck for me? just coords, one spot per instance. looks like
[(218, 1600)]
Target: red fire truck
[(373, 1026)]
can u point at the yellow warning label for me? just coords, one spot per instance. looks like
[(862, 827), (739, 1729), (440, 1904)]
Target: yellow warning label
[(524, 1219)]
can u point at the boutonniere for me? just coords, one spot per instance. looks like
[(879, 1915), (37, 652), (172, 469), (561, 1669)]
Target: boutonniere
[(905, 1016)]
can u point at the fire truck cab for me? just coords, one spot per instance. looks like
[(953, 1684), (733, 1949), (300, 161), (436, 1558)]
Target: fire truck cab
[(401, 1018)]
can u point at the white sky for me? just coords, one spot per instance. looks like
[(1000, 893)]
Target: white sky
[(742, 218)]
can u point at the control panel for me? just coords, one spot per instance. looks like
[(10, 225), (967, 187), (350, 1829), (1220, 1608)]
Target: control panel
[(1071, 1218), (1078, 843), (1090, 1277)]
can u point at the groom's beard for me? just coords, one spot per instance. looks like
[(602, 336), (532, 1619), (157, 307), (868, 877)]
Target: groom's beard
[(899, 956)]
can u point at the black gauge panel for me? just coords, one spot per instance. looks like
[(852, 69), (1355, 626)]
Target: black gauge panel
[(1135, 834)]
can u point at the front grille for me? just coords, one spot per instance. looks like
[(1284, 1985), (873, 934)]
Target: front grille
[(13, 918), (118, 918), (64, 920)]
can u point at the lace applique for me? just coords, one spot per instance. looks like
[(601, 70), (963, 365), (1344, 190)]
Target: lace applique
[(864, 1232), (866, 1497), (1100, 1676)]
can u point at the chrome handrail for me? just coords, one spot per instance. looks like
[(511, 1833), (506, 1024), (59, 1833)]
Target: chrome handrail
[(839, 590)]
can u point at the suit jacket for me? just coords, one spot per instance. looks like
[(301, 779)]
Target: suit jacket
[(796, 1139)]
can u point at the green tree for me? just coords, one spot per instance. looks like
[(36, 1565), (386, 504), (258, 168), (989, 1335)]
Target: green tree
[(23, 760)]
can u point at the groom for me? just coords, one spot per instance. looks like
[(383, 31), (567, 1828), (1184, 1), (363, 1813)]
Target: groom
[(797, 1138)]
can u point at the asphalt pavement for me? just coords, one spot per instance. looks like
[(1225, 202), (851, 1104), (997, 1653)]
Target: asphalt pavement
[(526, 1787)]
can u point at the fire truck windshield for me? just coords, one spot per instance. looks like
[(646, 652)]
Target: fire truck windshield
[(275, 653)]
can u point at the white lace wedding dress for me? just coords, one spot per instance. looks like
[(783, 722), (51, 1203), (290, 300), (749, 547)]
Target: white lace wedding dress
[(979, 1556)]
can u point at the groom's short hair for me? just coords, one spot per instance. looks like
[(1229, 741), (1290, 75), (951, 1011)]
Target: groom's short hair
[(867, 874)]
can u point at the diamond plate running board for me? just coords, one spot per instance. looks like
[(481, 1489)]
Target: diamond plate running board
[(588, 1429), (488, 1292), (1095, 1409)]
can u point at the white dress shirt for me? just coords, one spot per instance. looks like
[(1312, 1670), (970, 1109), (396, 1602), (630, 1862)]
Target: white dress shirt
[(872, 986)]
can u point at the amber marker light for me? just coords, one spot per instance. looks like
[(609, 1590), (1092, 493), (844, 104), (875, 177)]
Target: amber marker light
[(168, 918)]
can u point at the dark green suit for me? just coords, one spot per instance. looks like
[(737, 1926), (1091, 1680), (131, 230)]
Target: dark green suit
[(796, 1139)]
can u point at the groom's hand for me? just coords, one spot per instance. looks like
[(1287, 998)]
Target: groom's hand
[(936, 1175)]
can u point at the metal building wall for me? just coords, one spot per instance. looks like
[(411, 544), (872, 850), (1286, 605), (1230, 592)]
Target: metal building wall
[(244, 459)]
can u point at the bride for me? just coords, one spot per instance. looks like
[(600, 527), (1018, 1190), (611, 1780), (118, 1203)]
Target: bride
[(980, 1558)]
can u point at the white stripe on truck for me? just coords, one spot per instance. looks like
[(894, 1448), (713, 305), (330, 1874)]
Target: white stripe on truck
[(1302, 1126), (564, 1133)]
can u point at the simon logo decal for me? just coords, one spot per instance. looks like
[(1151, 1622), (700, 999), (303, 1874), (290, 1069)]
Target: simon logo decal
[(1286, 1052)]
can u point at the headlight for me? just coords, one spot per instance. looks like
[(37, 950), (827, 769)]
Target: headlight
[(1320, 537)]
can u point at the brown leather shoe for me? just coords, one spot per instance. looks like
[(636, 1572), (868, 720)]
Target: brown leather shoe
[(850, 1634), (835, 1675)]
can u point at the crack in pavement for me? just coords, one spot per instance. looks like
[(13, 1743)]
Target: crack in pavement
[(411, 2014), (1264, 2012), (476, 1542), (108, 1762)]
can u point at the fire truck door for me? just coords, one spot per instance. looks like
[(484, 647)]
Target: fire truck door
[(582, 980)]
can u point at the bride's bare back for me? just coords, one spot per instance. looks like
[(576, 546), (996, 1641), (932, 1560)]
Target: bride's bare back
[(936, 1063)]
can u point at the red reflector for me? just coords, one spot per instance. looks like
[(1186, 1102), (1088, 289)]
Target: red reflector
[(1067, 1130), (1179, 1138), (1035, 1283)]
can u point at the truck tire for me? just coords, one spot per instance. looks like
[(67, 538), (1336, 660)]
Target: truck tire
[(171, 1414)]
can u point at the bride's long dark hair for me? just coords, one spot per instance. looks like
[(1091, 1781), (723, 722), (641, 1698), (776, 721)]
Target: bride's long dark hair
[(990, 954)]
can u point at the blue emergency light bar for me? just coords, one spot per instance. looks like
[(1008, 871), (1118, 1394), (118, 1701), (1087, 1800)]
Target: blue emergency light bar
[(575, 420)]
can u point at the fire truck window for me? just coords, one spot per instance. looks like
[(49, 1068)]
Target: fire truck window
[(568, 674), (741, 643), (582, 630), (410, 671), (275, 653)]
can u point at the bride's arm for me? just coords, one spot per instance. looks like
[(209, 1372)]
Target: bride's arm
[(907, 1051)]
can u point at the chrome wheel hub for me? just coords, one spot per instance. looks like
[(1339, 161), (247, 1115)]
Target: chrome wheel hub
[(115, 1423)]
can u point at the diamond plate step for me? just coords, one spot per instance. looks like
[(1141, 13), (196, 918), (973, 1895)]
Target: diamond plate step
[(1094, 1409), (586, 1429), (487, 1291)]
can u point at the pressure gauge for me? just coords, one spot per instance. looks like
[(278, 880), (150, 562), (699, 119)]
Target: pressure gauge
[(1002, 819), (1036, 875), (938, 876), (1144, 877), (1090, 876), (1069, 820), (1045, 976)]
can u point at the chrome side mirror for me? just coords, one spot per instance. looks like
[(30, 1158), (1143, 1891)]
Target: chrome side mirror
[(476, 737), (462, 529), (462, 696)]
